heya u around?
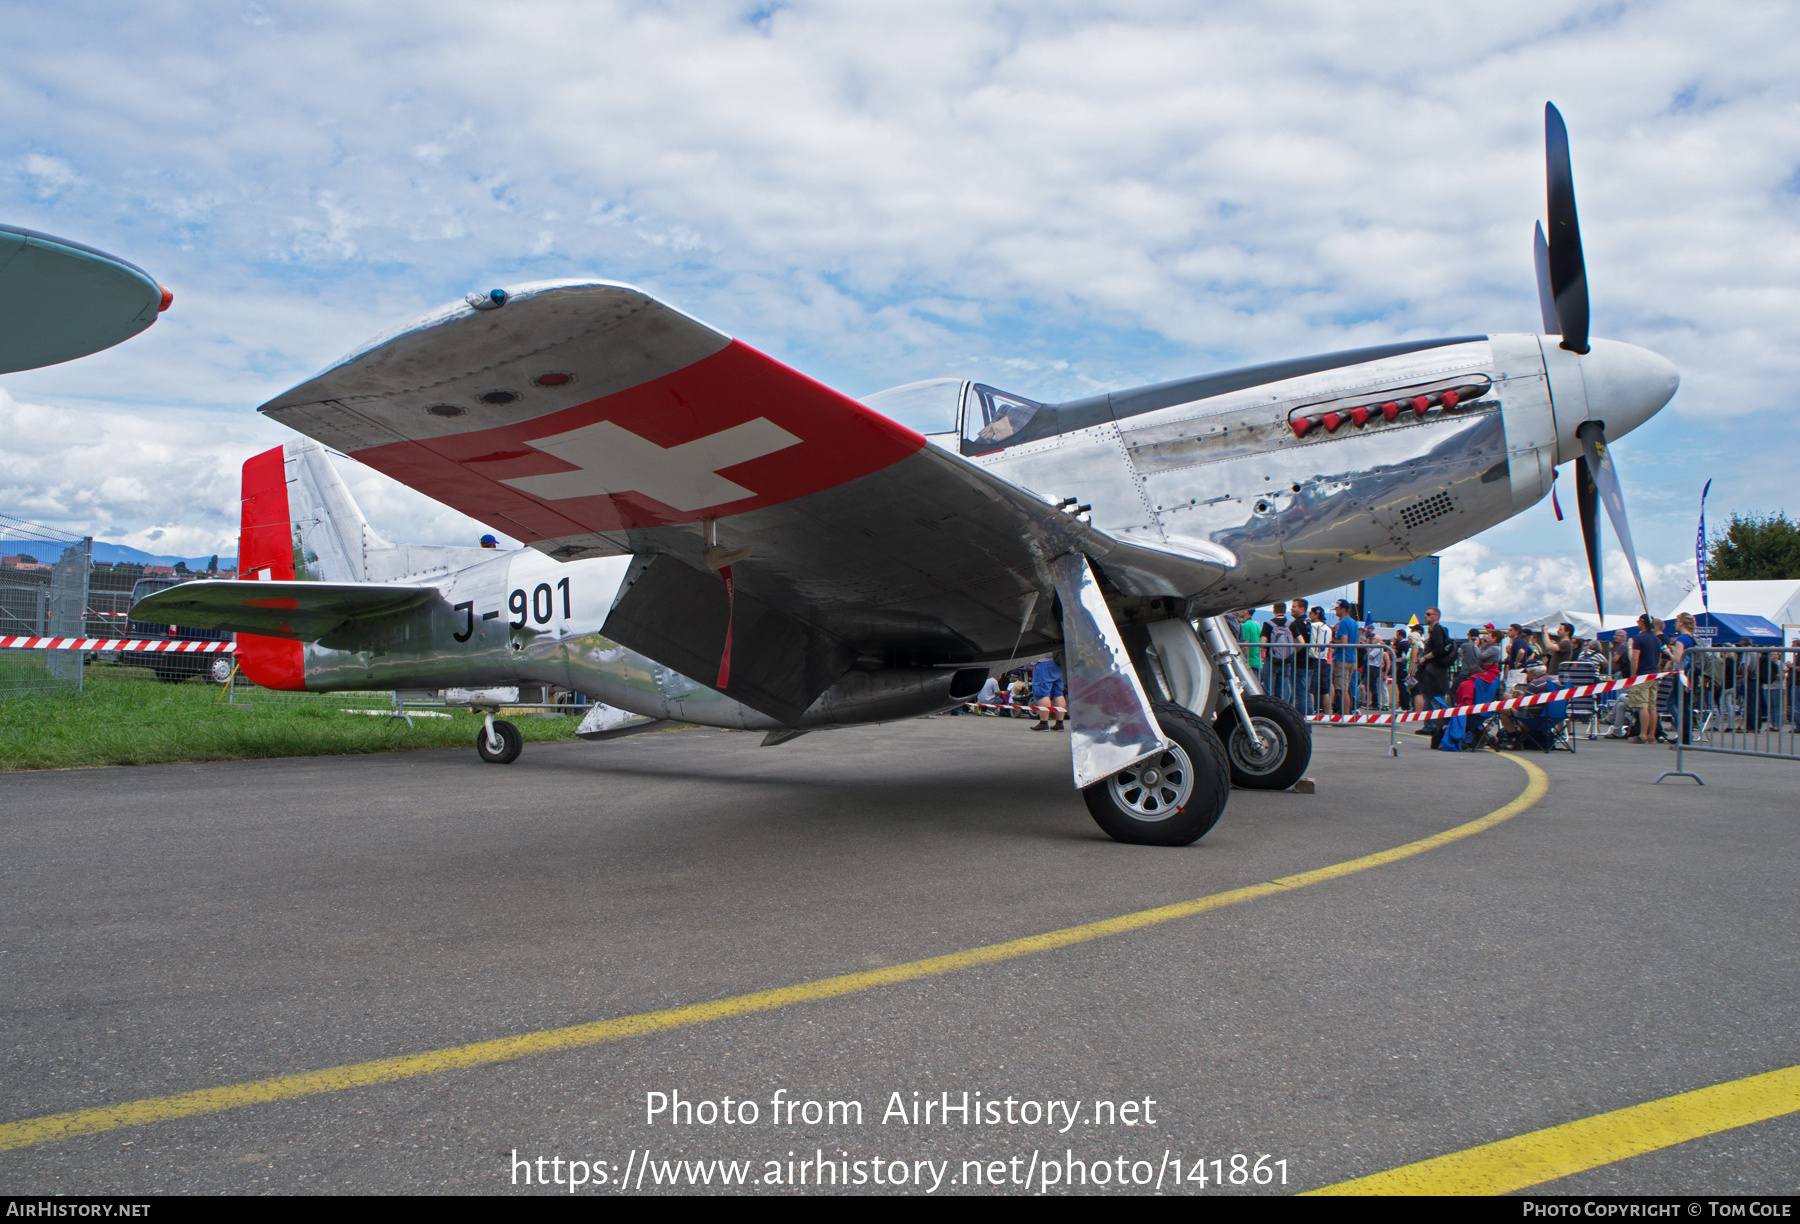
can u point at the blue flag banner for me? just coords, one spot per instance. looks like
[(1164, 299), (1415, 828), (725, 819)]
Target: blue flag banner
[(1700, 549)]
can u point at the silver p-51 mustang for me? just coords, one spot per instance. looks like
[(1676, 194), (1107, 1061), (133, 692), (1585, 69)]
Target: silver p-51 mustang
[(719, 539)]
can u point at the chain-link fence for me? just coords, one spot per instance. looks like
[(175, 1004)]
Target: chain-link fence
[(43, 594)]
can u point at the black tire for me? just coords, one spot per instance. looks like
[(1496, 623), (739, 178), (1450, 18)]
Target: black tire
[(1285, 758), (170, 677), (511, 743), (219, 670), (1184, 804)]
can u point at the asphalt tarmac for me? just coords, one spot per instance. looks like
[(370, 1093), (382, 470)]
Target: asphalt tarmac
[(181, 927)]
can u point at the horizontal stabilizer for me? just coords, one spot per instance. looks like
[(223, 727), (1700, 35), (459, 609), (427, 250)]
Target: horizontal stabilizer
[(301, 611)]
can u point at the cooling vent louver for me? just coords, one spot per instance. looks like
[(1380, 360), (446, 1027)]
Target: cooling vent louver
[(1421, 512)]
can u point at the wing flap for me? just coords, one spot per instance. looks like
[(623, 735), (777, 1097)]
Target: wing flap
[(676, 615), (298, 611)]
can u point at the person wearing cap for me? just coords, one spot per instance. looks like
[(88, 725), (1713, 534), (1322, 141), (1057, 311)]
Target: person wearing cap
[(488, 541), (1466, 650), (1344, 636)]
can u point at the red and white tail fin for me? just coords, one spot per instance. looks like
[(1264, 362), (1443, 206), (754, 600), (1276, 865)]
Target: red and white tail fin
[(305, 519), (266, 547)]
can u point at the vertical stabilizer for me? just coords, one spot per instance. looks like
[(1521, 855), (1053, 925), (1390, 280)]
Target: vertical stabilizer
[(331, 538), (299, 520)]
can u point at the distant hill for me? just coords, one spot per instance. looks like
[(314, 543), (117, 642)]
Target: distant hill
[(120, 552), (113, 553)]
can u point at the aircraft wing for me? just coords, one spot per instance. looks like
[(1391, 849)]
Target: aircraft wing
[(301, 611), (587, 418)]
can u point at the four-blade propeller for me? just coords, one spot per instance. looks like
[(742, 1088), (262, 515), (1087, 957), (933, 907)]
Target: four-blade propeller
[(1563, 298)]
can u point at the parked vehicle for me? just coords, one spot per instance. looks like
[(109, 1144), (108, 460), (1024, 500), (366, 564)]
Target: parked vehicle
[(174, 667)]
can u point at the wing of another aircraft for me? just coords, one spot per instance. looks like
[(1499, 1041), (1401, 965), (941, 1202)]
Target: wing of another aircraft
[(301, 611), (587, 418)]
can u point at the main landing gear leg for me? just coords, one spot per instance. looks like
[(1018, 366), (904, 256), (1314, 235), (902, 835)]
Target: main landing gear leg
[(1152, 775), (1268, 742)]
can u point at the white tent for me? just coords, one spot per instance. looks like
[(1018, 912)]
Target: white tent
[(1586, 623), (1778, 601)]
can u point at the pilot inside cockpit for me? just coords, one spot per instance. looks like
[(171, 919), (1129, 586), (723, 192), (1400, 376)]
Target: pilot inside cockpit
[(1004, 426)]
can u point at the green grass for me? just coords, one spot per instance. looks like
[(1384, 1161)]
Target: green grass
[(124, 716)]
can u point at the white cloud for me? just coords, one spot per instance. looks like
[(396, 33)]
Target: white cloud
[(1478, 584), (167, 485), (49, 175), (402, 515), (170, 483), (1065, 196)]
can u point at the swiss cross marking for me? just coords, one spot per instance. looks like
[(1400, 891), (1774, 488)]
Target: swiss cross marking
[(612, 459)]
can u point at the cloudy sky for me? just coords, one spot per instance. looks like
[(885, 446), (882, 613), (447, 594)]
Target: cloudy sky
[(1051, 197)]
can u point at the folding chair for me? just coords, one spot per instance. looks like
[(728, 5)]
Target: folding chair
[(1547, 727), (1578, 673)]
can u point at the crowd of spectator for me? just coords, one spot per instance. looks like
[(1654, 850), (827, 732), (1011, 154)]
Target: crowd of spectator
[(1333, 664)]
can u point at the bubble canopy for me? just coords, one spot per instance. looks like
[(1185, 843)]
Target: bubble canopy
[(930, 406), (988, 417)]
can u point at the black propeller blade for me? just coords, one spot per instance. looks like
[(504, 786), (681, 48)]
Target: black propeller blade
[(1563, 299), (1567, 272), (1587, 501), (1546, 299), (1600, 469)]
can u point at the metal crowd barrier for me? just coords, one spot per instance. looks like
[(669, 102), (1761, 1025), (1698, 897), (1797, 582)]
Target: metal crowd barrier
[(1735, 700), (1318, 679)]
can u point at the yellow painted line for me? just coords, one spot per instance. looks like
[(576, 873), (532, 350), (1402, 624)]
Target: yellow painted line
[(504, 1049), (1573, 1147)]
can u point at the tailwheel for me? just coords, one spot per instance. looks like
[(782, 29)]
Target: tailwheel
[(1172, 797), (1285, 751), (499, 743)]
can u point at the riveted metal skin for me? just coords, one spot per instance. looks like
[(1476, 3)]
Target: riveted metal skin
[(885, 567), (1326, 508)]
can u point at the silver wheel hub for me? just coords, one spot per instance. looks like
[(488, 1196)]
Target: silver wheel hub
[(1155, 788), (1248, 757)]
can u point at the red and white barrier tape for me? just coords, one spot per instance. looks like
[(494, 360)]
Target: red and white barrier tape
[(154, 645), (1488, 707)]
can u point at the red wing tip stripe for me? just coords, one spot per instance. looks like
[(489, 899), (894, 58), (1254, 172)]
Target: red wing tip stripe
[(1488, 707), (159, 645)]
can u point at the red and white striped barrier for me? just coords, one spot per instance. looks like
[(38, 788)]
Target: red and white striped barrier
[(151, 645), (1488, 707)]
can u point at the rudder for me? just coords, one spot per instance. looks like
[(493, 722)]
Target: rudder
[(266, 552)]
